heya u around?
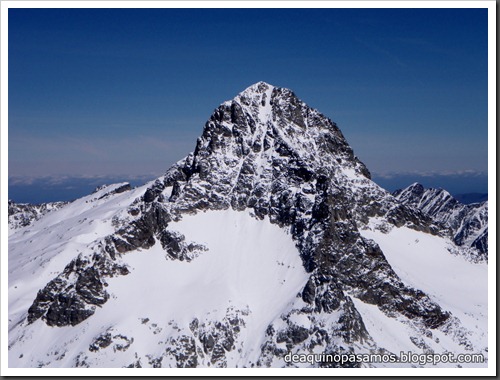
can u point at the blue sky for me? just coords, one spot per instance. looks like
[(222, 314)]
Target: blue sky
[(125, 92)]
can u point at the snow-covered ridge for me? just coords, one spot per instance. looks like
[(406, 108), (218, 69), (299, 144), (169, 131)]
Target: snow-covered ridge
[(24, 214)]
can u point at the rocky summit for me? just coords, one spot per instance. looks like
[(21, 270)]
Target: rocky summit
[(269, 239)]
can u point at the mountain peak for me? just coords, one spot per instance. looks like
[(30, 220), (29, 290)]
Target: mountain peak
[(416, 185), (259, 87), (255, 97), (265, 127), (270, 238)]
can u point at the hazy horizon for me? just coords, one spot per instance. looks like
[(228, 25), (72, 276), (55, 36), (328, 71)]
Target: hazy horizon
[(124, 93), (67, 188)]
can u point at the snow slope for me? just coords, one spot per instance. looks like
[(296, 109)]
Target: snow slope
[(251, 267), (424, 262), (39, 251)]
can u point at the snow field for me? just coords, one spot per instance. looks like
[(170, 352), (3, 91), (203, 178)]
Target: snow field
[(250, 265), (423, 261)]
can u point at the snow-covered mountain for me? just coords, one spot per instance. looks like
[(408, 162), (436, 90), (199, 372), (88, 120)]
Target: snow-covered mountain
[(269, 239), (468, 223)]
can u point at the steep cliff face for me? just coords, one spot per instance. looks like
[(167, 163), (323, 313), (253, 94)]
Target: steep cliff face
[(261, 242)]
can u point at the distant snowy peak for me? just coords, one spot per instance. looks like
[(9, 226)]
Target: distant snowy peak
[(469, 223), (435, 202)]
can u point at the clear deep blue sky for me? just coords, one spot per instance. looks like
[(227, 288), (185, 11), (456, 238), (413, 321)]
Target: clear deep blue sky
[(125, 92)]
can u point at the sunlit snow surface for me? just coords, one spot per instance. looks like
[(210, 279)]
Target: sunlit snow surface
[(39, 252), (251, 266), (251, 269), (424, 262)]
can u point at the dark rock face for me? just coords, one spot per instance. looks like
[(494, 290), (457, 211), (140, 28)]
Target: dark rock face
[(209, 340), (117, 342), (468, 224), (176, 247), (102, 341), (184, 351), (118, 190), (107, 190), (74, 295), (216, 339), (481, 242)]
